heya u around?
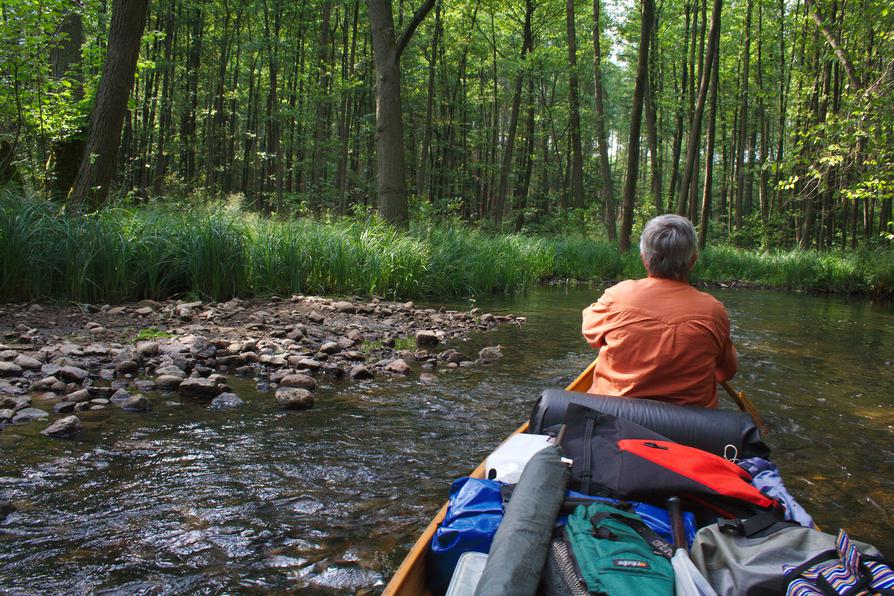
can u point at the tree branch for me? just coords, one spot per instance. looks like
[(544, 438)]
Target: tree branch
[(411, 28), (839, 50)]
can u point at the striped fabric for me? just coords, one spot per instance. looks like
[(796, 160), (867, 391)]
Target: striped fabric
[(842, 574)]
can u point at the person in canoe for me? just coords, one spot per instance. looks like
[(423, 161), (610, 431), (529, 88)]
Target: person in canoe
[(659, 337)]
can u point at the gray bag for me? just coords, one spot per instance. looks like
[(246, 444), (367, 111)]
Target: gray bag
[(736, 565)]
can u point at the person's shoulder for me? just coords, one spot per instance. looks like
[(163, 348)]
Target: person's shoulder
[(710, 303), (618, 291)]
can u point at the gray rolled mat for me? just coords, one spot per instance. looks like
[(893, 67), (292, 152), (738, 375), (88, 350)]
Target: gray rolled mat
[(519, 549)]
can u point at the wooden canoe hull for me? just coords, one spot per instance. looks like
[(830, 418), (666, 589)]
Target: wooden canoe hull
[(409, 579)]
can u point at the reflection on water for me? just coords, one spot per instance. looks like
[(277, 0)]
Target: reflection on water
[(184, 499)]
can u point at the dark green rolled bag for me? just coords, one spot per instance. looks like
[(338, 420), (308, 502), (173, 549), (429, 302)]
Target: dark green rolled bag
[(520, 546)]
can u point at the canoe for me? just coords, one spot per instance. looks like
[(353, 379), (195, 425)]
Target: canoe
[(409, 579)]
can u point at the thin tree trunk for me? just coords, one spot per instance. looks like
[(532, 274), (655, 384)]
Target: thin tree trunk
[(695, 127), (577, 160), (608, 190), (636, 110), (423, 189), (508, 150), (709, 150)]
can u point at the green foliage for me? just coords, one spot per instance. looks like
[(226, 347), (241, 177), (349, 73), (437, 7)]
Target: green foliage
[(150, 333), (218, 252)]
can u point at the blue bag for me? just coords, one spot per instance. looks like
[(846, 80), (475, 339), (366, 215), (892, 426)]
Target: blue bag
[(474, 511)]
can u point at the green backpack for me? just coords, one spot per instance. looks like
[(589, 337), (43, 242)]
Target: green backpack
[(608, 551)]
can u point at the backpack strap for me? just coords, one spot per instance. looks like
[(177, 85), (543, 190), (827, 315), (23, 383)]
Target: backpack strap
[(659, 546), (586, 475), (759, 524)]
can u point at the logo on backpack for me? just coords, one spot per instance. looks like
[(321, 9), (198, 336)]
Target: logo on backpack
[(631, 563)]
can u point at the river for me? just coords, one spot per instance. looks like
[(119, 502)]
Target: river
[(187, 500)]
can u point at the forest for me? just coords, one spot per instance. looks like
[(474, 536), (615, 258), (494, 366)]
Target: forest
[(769, 123)]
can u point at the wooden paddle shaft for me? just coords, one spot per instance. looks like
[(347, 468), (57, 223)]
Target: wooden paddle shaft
[(746, 405)]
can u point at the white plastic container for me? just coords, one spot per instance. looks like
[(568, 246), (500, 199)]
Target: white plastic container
[(508, 460), (467, 574)]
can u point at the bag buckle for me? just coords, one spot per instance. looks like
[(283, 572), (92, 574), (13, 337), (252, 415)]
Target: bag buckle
[(730, 526)]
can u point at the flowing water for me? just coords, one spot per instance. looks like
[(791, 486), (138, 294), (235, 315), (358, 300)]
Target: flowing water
[(187, 500)]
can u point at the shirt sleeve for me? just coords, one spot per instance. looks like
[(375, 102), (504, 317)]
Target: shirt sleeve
[(597, 321), (728, 359)]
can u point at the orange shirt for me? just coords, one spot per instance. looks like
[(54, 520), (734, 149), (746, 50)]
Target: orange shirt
[(660, 338)]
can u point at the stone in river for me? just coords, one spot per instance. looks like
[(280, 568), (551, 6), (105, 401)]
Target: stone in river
[(330, 347), (137, 403), (199, 387), (64, 428), (168, 382), (361, 373), (5, 509), (428, 377), (333, 370), (78, 396), (47, 384), (64, 407), (226, 401), (126, 367), (171, 370), (10, 369), (299, 380), (147, 348), (29, 414), (427, 339), (345, 307), (120, 395), (452, 356), (399, 367), (490, 354), (145, 385), (27, 362), (309, 363), (7, 414), (72, 373), (294, 398)]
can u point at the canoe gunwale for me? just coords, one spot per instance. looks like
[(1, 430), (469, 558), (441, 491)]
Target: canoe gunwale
[(409, 579)]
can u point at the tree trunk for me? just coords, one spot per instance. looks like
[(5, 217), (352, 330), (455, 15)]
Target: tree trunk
[(652, 125), (508, 150), (608, 190), (709, 150), (577, 160), (390, 169), (692, 148), (324, 67), (91, 187), (743, 121), (423, 189), (636, 111)]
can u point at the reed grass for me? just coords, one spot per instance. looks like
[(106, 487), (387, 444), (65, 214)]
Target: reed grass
[(217, 253)]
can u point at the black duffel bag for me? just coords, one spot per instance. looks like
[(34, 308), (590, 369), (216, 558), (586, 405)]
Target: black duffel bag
[(707, 429)]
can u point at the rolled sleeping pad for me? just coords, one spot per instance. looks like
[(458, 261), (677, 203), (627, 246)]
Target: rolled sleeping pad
[(518, 552), (707, 429)]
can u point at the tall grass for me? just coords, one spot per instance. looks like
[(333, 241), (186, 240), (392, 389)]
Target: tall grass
[(216, 253)]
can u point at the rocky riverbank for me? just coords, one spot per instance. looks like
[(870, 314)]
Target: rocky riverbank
[(56, 361)]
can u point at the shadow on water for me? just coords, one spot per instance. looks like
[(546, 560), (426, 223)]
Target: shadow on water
[(185, 500)]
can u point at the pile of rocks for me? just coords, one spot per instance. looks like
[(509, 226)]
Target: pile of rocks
[(75, 361)]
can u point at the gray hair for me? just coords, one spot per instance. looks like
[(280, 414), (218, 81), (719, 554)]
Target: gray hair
[(668, 245)]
